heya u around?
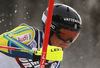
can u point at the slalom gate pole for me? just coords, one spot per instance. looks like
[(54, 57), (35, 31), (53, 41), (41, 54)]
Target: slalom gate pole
[(46, 34)]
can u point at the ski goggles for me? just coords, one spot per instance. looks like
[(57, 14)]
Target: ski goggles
[(66, 35)]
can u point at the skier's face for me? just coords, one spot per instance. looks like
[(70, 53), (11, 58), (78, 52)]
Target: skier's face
[(58, 42)]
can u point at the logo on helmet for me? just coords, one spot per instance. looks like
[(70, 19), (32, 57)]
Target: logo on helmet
[(71, 19), (52, 26)]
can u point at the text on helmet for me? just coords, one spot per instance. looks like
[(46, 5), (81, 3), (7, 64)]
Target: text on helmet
[(72, 20)]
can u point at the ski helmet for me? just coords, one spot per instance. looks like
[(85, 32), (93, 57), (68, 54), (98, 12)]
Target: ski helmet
[(66, 22)]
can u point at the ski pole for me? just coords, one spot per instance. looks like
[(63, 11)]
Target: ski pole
[(18, 49)]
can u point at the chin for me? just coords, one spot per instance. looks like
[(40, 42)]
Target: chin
[(64, 48)]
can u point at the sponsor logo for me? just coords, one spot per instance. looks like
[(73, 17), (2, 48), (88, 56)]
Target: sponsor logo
[(72, 20), (52, 26), (56, 49), (43, 60), (33, 44), (28, 63), (24, 37)]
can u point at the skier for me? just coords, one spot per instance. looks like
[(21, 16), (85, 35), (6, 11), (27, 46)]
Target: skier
[(65, 28)]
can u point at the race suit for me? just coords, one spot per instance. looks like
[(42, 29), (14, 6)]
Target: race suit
[(24, 37)]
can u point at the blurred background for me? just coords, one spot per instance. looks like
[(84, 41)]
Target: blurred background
[(84, 52)]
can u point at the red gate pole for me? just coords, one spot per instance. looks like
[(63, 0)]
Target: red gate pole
[(47, 32)]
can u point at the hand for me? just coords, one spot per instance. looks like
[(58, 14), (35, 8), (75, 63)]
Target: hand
[(53, 53)]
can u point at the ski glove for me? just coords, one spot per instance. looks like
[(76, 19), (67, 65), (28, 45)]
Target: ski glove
[(53, 53)]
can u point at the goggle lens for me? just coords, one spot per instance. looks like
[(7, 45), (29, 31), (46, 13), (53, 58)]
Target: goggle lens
[(66, 35)]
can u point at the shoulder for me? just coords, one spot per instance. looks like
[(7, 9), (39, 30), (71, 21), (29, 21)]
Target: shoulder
[(23, 33)]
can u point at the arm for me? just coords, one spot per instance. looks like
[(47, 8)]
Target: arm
[(17, 38), (12, 39)]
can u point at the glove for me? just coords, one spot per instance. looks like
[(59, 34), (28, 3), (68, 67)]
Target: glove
[(53, 53)]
